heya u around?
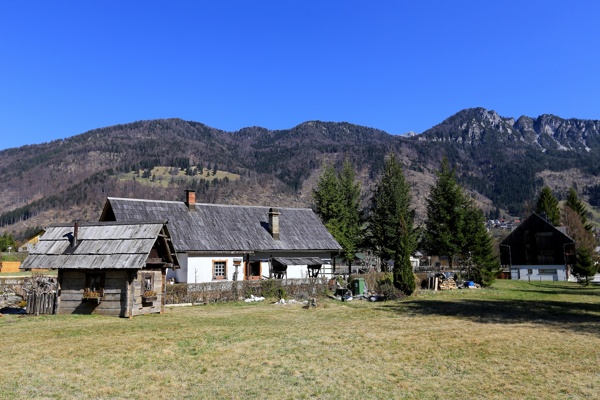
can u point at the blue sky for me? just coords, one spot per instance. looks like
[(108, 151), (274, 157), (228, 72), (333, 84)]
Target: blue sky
[(70, 66)]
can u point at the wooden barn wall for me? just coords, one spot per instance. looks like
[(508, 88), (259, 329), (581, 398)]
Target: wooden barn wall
[(140, 306), (114, 301)]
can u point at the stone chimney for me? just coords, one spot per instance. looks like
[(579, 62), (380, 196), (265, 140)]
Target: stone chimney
[(75, 233), (190, 199), (274, 222)]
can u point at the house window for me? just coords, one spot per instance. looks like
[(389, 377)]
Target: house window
[(148, 281), (253, 270), (547, 271), (148, 285), (94, 285), (530, 271), (219, 269)]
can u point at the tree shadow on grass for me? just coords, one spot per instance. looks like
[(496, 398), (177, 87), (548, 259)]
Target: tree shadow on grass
[(576, 317), (553, 289)]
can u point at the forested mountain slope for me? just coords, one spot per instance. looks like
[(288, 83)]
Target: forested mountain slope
[(503, 163)]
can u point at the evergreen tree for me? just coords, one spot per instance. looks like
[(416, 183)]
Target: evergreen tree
[(575, 203), (7, 240), (482, 264), (348, 222), (404, 278), (444, 233), (337, 202), (547, 206), (585, 266), (455, 227), (391, 227), (326, 194), (391, 217)]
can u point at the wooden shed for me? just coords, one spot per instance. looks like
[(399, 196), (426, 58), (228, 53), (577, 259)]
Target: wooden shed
[(107, 268)]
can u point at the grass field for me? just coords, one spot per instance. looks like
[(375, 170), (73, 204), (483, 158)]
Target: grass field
[(516, 340), (13, 256)]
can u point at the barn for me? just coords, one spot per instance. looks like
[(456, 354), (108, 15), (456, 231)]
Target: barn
[(538, 251)]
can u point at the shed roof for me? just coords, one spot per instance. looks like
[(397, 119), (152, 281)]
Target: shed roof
[(217, 227), (100, 245), (299, 260)]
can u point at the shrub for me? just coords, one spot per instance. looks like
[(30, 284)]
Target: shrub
[(270, 288), (385, 279), (390, 292)]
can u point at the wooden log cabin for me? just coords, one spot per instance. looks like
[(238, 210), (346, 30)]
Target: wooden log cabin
[(107, 268)]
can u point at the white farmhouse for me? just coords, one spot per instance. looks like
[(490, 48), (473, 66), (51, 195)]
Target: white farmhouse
[(217, 242)]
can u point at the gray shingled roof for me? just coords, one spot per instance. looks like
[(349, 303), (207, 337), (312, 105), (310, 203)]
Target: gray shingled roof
[(100, 246), (214, 227)]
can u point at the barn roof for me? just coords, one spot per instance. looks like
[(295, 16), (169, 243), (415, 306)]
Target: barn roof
[(217, 227), (535, 223), (100, 245), (536, 242)]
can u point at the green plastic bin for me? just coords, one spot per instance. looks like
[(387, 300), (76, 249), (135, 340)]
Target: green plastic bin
[(358, 286)]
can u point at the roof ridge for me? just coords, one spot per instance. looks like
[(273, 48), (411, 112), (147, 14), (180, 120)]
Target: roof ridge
[(146, 200), (209, 204), (238, 205), (109, 223)]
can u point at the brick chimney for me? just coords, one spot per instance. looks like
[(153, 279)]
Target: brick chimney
[(190, 199), (274, 222)]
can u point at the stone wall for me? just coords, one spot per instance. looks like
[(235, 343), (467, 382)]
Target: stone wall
[(11, 292)]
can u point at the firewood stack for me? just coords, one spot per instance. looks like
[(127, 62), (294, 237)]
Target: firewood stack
[(448, 284)]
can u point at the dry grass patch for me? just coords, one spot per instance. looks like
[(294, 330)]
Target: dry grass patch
[(164, 176), (516, 340)]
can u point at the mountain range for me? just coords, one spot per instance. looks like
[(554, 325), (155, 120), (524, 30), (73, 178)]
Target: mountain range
[(501, 162)]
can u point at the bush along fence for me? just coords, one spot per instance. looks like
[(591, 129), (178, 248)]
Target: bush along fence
[(213, 292)]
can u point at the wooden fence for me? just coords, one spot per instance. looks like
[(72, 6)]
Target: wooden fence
[(41, 303)]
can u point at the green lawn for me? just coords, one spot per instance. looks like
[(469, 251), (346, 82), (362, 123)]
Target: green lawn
[(27, 273), (13, 256), (516, 340)]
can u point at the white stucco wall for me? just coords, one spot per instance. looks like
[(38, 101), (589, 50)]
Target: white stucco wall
[(199, 269), (532, 273), (297, 271)]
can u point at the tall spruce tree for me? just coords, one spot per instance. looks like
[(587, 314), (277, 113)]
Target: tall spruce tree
[(455, 227), (575, 203), (337, 202), (444, 233), (391, 224), (348, 222), (585, 267), (547, 206), (482, 264), (326, 194)]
